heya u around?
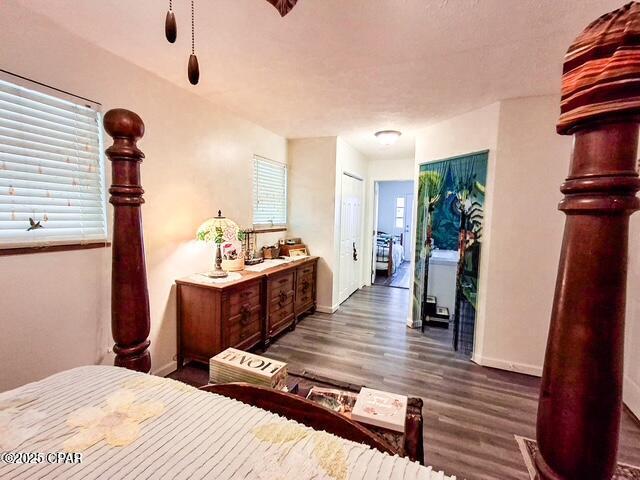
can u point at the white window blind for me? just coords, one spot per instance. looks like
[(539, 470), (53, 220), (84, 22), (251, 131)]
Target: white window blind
[(51, 168), (269, 192)]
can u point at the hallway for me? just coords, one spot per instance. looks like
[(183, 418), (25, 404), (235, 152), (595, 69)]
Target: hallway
[(400, 279), (471, 413)]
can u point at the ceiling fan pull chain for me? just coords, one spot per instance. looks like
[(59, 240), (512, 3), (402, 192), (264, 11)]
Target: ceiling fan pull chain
[(193, 70), (170, 28)]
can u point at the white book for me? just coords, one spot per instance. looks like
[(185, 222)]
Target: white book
[(382, 409), (234, 365)]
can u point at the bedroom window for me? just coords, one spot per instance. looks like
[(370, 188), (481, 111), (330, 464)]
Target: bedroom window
[(269, 193), (51, 168), (400, 212)]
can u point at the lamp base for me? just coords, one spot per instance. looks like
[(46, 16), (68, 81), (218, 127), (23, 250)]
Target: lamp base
[(216, 274)]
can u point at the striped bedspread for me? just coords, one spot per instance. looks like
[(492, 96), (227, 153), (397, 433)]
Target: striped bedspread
[(101, 422)]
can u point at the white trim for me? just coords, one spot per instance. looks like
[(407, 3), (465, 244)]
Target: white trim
[(165, 369), (534, 370), (327, 309), (411, 323), (632, 395)]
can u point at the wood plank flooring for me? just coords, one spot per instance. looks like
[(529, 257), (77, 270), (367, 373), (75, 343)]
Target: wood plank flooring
[(471, 413), (400, 279)]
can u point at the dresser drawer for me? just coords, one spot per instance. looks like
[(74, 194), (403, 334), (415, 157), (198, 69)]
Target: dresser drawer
[(243, 326), (306, 270), (305, 282), (280, 317), (248, 296), (305, 285), (304, 297), (284, 298), (279, 284)]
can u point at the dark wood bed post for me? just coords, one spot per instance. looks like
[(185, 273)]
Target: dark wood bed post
[(129, 296), (581, 393)]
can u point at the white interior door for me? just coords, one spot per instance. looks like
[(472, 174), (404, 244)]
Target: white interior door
[(350, 236), (408, 219)]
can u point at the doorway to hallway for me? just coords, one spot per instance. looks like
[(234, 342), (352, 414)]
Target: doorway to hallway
[(392, 246)]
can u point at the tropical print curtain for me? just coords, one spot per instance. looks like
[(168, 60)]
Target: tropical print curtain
[(450, 217)]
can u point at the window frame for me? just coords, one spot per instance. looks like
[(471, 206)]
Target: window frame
[(74, 243), (397, 207), (269, 227)]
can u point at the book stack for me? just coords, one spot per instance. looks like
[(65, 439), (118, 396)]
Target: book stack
[(237, 366), (381, 409)]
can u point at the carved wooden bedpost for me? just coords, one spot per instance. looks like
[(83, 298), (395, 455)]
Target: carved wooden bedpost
[(581, 394), (129, 296)]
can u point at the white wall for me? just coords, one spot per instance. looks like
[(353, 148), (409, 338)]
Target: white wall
[(528, 161), (312, 199), (316, 166), (55, 306), (526, 233), (468, 133), (523, 228), (351, 161), (388, 193)]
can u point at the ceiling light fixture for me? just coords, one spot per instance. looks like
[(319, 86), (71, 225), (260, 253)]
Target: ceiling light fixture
[(388, 137)]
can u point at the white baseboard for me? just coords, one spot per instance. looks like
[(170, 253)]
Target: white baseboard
[(327, 309), (534, 370), (412, 324), (166, 369), (631, 395)]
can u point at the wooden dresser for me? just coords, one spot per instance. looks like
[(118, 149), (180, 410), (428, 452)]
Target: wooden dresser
[(245, 313)]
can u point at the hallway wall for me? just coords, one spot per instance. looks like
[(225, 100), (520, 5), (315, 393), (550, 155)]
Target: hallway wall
[(388, 193), (523, 228)]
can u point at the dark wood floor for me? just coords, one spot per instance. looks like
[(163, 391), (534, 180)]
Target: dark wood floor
[(471, 412), (400, 279)]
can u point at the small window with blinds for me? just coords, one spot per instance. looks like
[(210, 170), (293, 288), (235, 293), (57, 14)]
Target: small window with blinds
[(51, 168), (269, 193)]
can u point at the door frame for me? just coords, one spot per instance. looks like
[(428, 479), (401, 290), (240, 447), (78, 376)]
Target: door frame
[(371, 226), (408, 225)]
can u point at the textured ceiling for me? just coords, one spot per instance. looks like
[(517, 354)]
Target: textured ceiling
[(344, 67)]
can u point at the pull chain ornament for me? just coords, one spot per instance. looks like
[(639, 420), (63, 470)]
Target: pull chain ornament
[(193, 70), (170, 28)]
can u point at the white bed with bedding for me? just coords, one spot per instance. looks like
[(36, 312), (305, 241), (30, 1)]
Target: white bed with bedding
[(389, 252), (131, 425)]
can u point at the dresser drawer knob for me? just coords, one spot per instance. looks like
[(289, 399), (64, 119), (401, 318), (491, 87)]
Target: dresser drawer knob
[(245, 318)]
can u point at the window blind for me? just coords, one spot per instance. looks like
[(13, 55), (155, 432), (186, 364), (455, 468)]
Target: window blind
[(51, 169), (269, 192)]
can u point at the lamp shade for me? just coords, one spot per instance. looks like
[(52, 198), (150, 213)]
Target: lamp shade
[(219, 230)]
